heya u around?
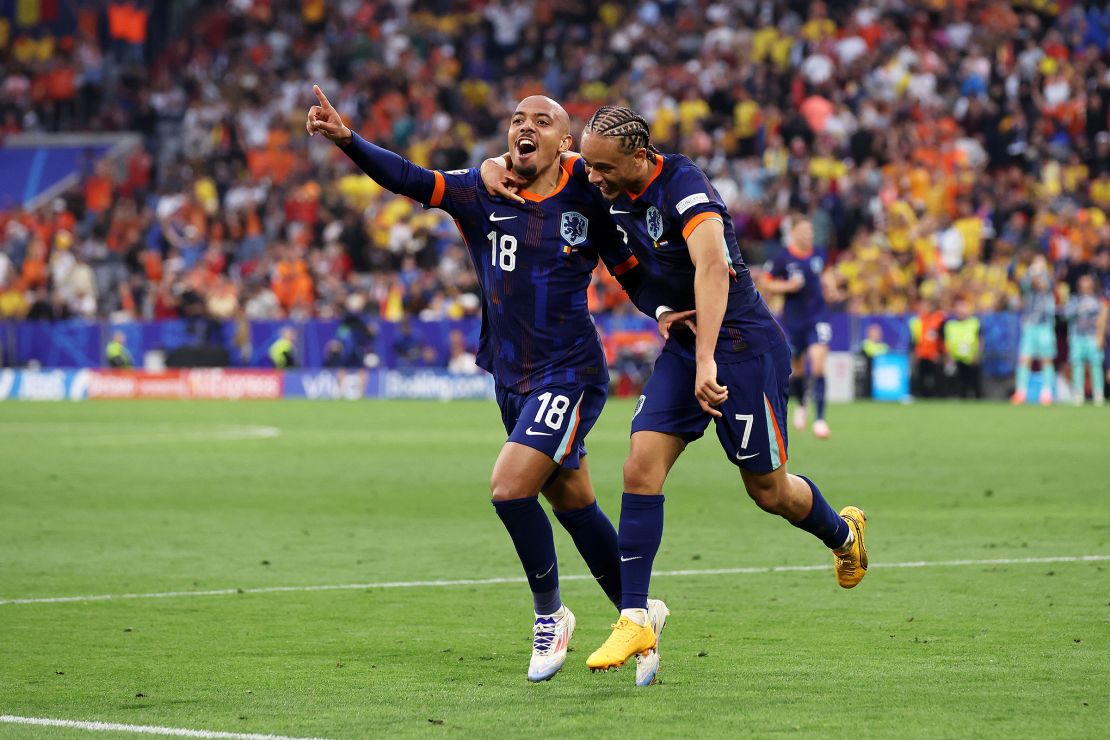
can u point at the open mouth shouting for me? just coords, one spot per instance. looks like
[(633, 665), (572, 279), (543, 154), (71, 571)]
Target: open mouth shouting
[(526, 148)]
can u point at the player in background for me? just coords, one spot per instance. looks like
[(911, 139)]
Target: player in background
[(1087, 321), (798, 274), (733, 371), (1038, 332), (534, 255)]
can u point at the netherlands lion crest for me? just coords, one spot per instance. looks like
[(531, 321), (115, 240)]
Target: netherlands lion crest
[(654, 223), (573, 227)]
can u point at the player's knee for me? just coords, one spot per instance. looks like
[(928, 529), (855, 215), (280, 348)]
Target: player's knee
[(502, 488), (642, 475)]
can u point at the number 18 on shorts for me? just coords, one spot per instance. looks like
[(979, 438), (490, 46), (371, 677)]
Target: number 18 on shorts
[(553, 419)]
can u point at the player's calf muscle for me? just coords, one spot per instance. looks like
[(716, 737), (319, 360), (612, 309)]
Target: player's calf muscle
[(569, 490), (776, 493)]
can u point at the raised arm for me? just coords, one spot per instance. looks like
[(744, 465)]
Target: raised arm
[(390, 170)]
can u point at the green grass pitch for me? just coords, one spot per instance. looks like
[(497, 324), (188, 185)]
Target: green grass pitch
[(148, 497)]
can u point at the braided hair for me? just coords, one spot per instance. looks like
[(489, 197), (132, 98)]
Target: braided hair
[(624, 124)]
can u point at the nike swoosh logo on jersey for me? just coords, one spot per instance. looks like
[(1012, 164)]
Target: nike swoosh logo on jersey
[(495, 217), (531, 433), (625, 560), (746, 457), (616, 212)]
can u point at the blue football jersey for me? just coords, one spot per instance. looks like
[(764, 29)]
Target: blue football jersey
[(534, 262), (807, 306), (656, 223)]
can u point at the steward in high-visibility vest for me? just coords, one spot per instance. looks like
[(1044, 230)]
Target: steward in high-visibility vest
[(962, 344), (116, 353), (928, 349), (872, 346), (283, 353), (961, 339)]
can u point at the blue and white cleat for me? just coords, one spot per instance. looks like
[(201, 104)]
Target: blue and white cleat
[(647, 666), (550, 638)]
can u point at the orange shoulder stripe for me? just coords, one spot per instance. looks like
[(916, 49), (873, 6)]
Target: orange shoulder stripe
[(697, 221)]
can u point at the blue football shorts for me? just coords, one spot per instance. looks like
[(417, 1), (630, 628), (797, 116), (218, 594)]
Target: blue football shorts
[(802, 336), (752, 428), (553, 419)]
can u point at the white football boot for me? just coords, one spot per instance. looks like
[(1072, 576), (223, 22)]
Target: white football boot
[(647, 666), (550, 638)]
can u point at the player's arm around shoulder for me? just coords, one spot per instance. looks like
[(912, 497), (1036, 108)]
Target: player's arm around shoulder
[(501, 182)]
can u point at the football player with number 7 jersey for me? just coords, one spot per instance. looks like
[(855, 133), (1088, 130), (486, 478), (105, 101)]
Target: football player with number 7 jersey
[(534, 254), (733, 370)]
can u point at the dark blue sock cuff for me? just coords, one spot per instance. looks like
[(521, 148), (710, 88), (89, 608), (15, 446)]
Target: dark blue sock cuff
[(641, 501), (514, 505), (577, 516)]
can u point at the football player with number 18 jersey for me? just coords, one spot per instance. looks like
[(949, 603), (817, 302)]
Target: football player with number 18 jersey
[(534, 255)]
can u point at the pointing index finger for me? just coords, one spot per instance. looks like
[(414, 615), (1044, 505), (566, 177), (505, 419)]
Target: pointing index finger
[(321, 97)]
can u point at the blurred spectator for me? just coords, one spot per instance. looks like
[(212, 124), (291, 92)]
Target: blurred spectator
[(461, 360), (333, 354), (406, 346)]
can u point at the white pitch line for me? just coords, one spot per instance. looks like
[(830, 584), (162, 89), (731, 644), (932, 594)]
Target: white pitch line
[(518, 579), (142, 729)]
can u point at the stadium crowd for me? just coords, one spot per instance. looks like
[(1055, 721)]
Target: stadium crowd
[(938, 147)]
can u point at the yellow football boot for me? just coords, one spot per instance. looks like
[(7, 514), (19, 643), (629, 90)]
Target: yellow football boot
[(851, 563), (628, 639)]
